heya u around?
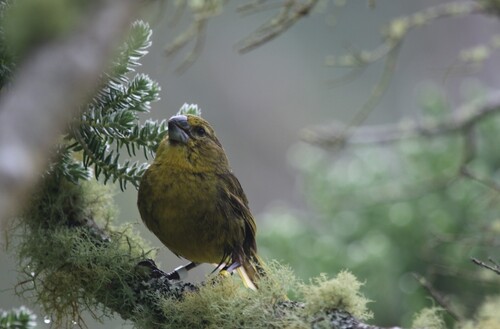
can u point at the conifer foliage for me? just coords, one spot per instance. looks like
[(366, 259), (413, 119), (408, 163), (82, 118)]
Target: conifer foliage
[(109, 123)]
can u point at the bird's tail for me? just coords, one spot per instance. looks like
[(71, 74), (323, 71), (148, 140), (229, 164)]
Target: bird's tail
[(251, 270)]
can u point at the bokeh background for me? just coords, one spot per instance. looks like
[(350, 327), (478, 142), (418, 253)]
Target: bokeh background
[(260, 101)]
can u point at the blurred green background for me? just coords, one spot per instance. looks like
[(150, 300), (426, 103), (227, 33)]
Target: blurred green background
[(384, 213)]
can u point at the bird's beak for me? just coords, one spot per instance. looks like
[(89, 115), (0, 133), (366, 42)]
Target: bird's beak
[(178, 129)]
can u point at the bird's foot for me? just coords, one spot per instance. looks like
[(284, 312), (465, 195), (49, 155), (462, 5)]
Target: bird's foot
[(181, 272)]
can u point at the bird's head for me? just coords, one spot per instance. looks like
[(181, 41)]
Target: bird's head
[(194, 138), (190, 130)]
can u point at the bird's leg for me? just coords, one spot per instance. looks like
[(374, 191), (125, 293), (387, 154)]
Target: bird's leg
[(231, 267), (181, 272), (228, 270)]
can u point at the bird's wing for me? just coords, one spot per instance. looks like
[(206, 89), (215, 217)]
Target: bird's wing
[(246, 252), (232, 194)]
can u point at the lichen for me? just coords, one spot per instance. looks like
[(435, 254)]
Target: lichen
[(223, 302), (429, 318), (71, 256), (341, 292), (74, 260)]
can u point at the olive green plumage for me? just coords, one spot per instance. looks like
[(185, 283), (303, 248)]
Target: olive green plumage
[(192, 202)]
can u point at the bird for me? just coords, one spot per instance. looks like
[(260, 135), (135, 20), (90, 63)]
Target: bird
[(191, 200)]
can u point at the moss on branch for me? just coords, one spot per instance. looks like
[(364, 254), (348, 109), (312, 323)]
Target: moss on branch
[(75, 260)]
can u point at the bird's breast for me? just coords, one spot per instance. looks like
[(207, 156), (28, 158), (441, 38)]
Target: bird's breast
[(183, 213)]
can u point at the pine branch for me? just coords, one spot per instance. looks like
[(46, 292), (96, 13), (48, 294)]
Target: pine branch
[(107, 162), (110, 122), (66, 166), (134, 49)]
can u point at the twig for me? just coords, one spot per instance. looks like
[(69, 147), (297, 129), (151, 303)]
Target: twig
[(379, 89), (46, 93), (437, 296), (194, 33), (489, 183), (394, 34), (495, 267), (192, 56), (400, 27), (256, 6), (291, 12), (462, 120)]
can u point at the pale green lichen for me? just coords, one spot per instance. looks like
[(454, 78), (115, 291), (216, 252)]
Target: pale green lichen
[(341, 292), (429, 318), (74, 260), (70, 263), (223, 302)]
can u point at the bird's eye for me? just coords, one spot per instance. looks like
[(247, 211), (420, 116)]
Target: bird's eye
[(200, 131)]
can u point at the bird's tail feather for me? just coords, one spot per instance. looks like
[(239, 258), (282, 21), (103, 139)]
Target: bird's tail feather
[(246, 278), (251, 270)]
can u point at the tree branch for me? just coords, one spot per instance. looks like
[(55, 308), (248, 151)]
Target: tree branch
[(291, 12), (463, 119), (75, 260), (157, 281), (495, 267), (46, 92), (441, 299)]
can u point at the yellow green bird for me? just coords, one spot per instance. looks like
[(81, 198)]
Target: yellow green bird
[(190, 199)]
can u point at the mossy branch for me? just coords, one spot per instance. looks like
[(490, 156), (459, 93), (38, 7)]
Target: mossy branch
[(75, 260)]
